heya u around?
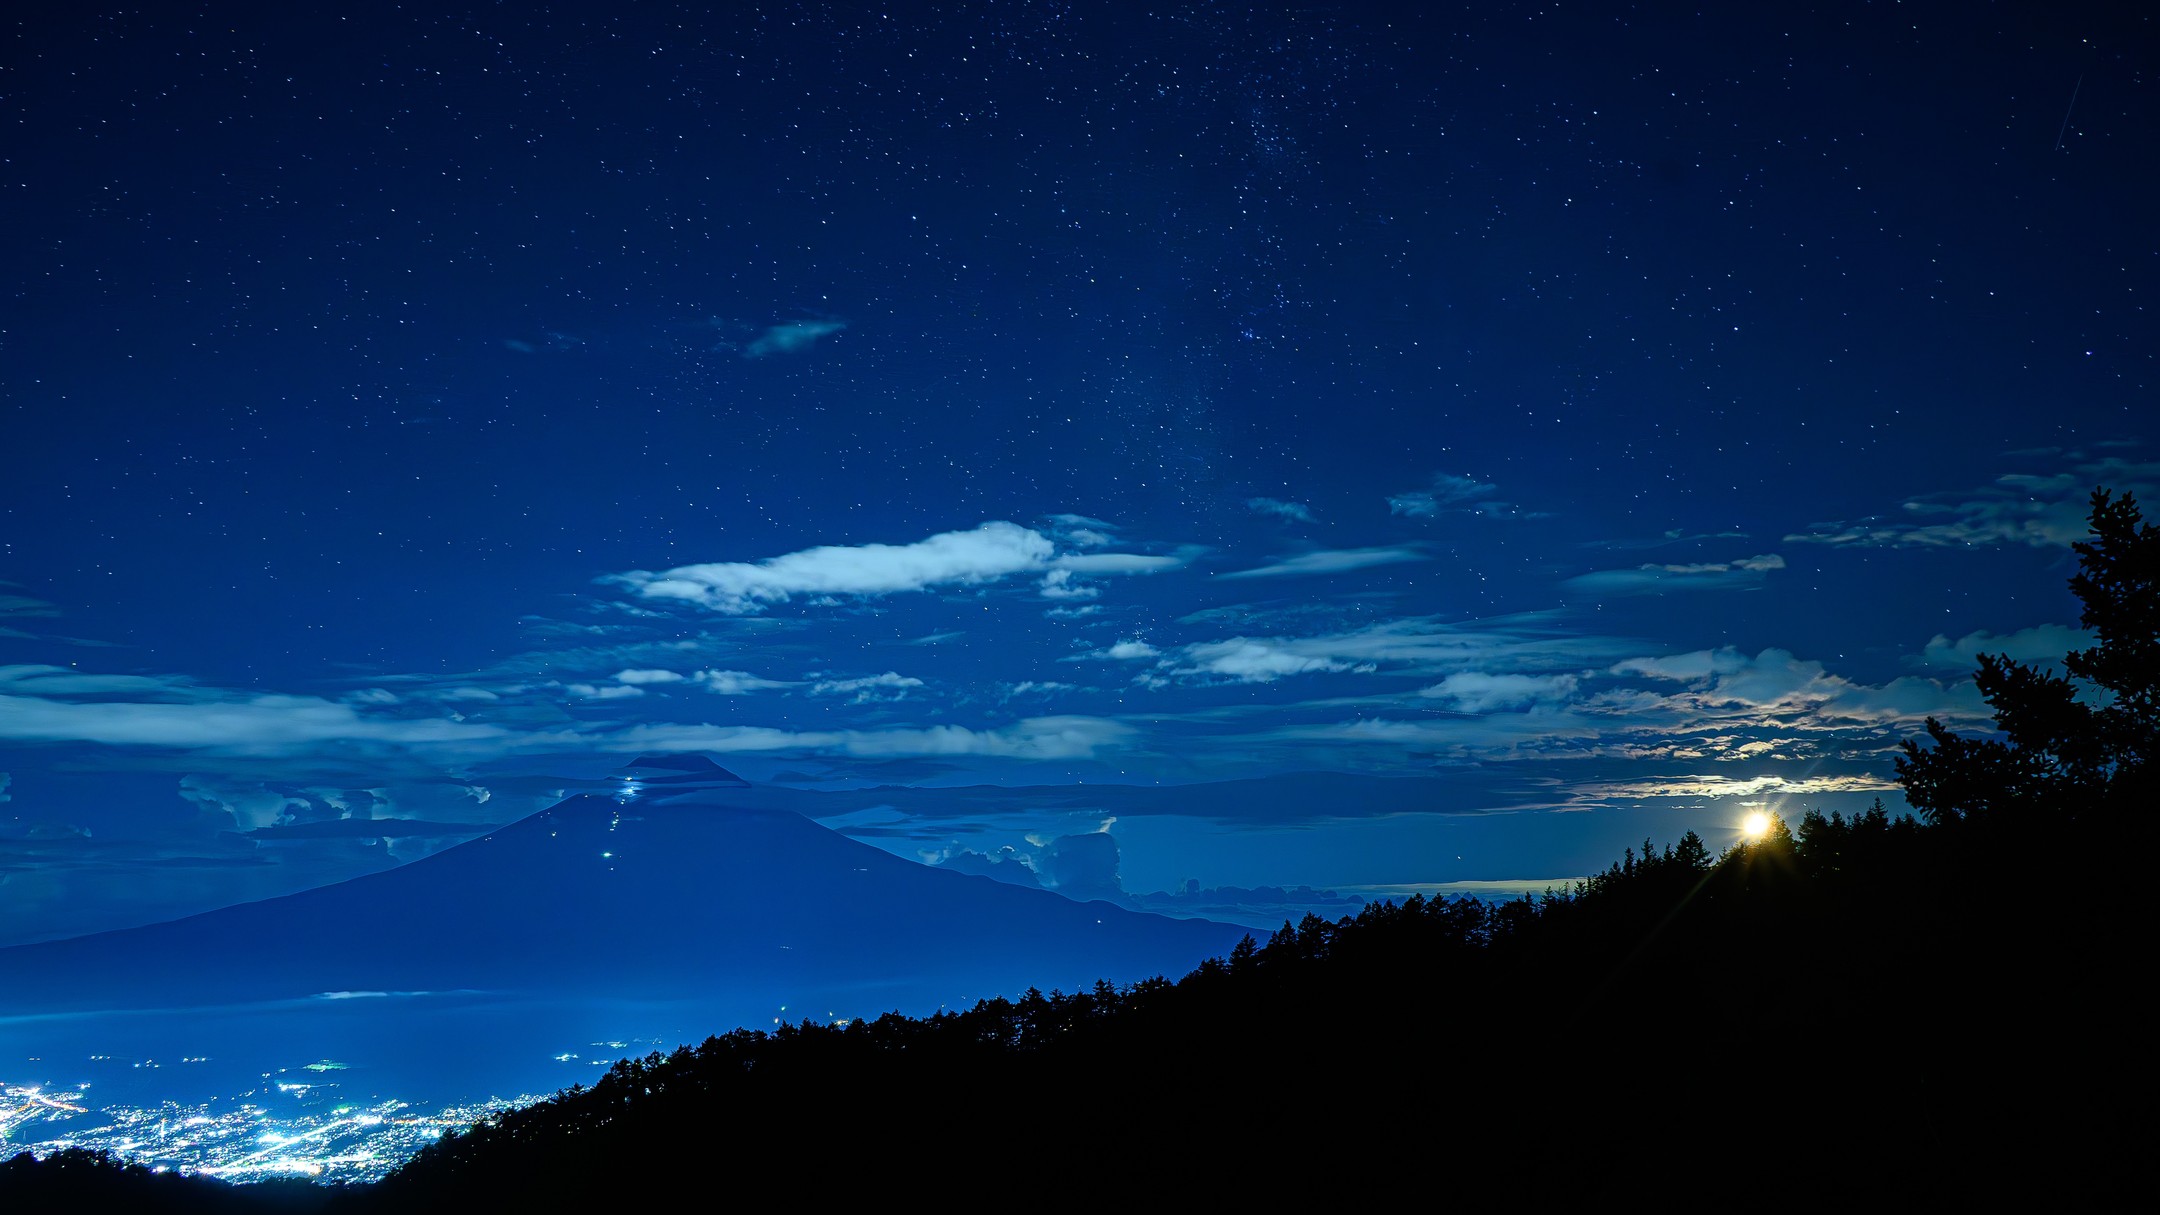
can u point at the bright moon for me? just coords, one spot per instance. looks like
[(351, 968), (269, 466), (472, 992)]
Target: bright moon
[(1755, 826)]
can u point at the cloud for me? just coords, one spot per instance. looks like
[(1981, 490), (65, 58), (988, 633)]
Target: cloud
[(41, 680), (635, 675), (1007, 864), (1040, 738), (1124, 651), (1058, 584), (2045, 644), (1744, 573), (1478, 692), (790, 337), (1294, 511), (1333, 561), (993, 551), (2040, 510), (989, 553), (236, 724), (1082, 866), (1447, 492), (248, 806), (1251, 661), (1685, 668), (1122, 563), (1412, 645), (1031, 687), (587, 691), (736, 683), (24, 606), (891, 685), (1714, 785)]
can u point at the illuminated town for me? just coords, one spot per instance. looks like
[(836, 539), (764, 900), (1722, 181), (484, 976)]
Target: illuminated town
[(299, 1127)]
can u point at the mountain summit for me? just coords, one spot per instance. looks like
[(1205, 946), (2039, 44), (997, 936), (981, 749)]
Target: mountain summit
[(725, 915)]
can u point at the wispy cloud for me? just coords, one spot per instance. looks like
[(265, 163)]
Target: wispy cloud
[(24, 606), (790, 337), (1717, 785), (1295, 511), (986, 554), (1447, 491), (2041, 510), (234, 724), (2044, 643), (1070, 737), (891, 685), (1253, 661), (1333, 561), (1131, 649), (1480, 692), (990, 553), (1418, 645), (737, 683), (1740, 574)]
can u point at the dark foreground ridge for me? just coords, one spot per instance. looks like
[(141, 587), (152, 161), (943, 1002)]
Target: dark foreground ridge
[(1856, 1009)]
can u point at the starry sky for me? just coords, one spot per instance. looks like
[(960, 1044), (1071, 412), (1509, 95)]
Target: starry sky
[(1612, 418)]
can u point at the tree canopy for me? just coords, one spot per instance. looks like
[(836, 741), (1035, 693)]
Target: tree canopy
[(2076, 744)]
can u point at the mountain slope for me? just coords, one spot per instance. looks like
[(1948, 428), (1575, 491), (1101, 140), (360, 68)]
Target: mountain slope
[(645, 900)]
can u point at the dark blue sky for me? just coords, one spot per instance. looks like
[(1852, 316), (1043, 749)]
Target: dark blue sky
[(1618, 417)]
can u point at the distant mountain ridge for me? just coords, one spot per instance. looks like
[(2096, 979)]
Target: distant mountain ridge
[(681, 896)]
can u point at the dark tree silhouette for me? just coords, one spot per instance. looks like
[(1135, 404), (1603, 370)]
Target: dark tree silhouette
[(2078, 746)]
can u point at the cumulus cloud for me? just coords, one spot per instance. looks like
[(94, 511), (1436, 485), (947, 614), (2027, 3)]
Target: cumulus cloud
[(1006, 864), (1296, 512), (2040, 510), (1744, 573), (790, 337), (1448, 492), (1333, 561), (2044, 644), (1068, 737), (736, 683), (1083, 866), (249, 806)]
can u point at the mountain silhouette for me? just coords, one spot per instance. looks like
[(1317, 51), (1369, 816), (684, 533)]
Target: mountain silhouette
[(731, 914)]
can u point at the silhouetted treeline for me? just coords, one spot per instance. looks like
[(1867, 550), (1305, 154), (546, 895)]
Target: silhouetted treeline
[(82, 1182), (1855, 1008)]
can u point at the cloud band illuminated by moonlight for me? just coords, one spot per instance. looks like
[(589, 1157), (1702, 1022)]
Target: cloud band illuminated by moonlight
[(988, 553)]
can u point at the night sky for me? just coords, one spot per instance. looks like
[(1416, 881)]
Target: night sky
[(1620, 417)]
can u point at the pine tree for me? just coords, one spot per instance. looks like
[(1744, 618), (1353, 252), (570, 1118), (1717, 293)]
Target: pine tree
[(2078, 745)]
